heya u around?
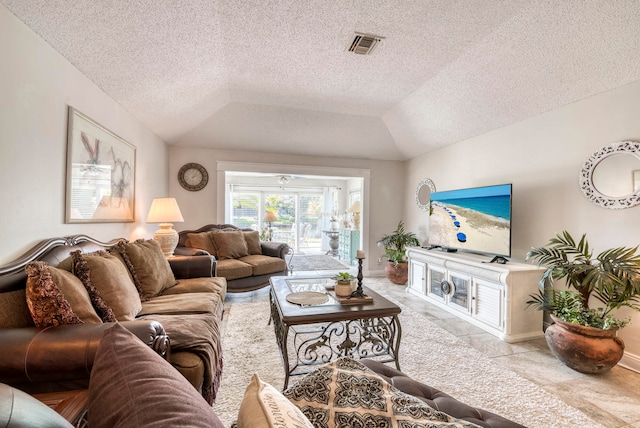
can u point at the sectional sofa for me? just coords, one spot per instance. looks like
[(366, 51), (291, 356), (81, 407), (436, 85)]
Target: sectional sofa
[(57, 300)]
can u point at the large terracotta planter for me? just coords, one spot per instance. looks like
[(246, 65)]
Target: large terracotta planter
[(584, 349), (397, 275)]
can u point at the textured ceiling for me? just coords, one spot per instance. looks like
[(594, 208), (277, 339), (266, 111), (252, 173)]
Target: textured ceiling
[(275, 76)]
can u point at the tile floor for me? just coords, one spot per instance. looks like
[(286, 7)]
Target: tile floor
[(612, 399)]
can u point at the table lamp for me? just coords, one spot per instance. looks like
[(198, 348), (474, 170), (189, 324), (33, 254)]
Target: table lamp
[(355, 209), (270, 217), (165, 211)]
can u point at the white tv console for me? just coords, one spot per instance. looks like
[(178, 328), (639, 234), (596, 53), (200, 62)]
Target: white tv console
[(491, 296)]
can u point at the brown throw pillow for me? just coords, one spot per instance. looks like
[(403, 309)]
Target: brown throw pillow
[(46, 302), (81, 270), (230, 245), (202, 241), (253, 242), (76, 294), (131, 385), (111, 277), (150, 268)]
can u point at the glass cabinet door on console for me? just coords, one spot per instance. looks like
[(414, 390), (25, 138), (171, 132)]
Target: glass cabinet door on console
[(461, 292), (436, 278)]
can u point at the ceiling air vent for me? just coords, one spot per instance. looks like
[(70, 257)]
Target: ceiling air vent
[(364, 44)]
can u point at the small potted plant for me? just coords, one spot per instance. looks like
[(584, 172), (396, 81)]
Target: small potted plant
[(395, 245), (584, 338), (343, 283)]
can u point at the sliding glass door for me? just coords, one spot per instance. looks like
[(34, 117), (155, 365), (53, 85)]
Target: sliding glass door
[(298, 215)]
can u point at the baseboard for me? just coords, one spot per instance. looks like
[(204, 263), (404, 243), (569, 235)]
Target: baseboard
[(630, 361), (373, 273)]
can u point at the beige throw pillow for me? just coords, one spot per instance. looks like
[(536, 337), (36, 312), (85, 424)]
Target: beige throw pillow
[(230, 245), (253, 242), (263, 406)]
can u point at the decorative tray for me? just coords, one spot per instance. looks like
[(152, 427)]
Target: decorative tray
[(307, 298)]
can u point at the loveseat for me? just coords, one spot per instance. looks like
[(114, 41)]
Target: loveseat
[(246, 262), (58, 299)]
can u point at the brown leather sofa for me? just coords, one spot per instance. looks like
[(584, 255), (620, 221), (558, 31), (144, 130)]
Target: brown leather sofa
[(249, 272), (438, 399), (60, 358)]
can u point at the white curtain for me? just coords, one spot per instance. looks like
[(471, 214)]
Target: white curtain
[(327, 209)]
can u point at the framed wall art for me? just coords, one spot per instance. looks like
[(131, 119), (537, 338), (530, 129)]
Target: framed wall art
[(100, 173)]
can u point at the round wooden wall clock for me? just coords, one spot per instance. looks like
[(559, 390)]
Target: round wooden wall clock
[(193, 177)]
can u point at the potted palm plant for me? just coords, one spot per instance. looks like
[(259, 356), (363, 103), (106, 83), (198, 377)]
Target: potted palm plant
[(395, 245), (584, 337)]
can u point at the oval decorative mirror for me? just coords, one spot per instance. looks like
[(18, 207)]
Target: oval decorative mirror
[(423, 193), (610, 177)]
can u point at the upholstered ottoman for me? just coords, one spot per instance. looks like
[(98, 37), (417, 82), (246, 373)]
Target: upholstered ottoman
[(438, 399)]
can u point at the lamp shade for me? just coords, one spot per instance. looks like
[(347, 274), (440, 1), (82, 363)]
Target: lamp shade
[(164, 210), (270, 217), (355, 210), (355, 207)]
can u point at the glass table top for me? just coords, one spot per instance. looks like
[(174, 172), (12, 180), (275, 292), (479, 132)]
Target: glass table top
[(318, 285)]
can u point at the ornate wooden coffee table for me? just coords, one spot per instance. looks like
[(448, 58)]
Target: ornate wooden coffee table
[(322, 332)]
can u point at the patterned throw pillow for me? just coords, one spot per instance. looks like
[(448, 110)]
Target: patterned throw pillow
[(263, 406), (46, 302), (345, 393), (72, 289)]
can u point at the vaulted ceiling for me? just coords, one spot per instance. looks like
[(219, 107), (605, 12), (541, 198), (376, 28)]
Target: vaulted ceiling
[(276, 76)]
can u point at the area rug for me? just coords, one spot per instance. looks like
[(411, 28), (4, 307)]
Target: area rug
[(427, 353), (314, 262)]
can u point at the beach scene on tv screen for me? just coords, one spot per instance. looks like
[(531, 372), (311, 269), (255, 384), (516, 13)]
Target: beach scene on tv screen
[(472, 219)]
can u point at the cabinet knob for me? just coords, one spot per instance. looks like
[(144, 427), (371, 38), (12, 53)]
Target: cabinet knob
[(445, 286)]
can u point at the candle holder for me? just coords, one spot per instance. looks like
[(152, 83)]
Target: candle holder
[(359, 292)]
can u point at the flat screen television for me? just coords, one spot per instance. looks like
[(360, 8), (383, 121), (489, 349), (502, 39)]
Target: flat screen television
[(475, 220)]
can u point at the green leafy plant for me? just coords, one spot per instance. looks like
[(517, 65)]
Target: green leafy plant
[(396, 243), (344, 277), (612, 278)]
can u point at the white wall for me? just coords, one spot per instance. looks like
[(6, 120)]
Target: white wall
[(36, 87), (542, 157), (386, 184)]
